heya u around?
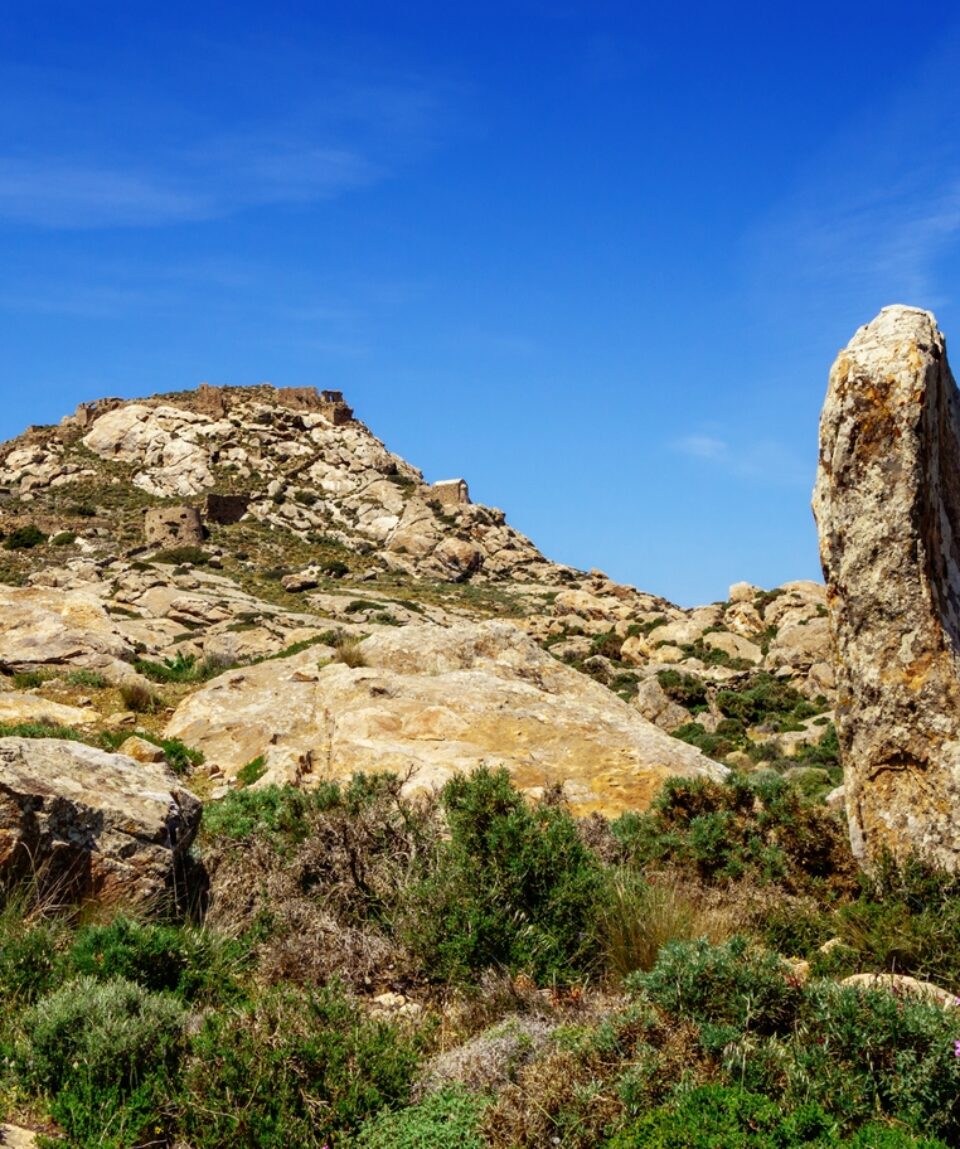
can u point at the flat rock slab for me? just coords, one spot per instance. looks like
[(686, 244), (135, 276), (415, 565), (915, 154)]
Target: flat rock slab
[(87, 823), (431, 702)]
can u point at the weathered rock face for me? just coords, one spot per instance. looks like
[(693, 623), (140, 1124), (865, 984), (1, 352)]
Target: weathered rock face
[(85, 823), (887, 504), (430, 702)]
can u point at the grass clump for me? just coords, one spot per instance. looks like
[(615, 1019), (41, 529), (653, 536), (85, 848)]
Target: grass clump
[(139, 698), (88, 678)]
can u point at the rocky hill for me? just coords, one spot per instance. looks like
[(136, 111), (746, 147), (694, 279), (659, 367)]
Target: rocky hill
[(263, 880), (157, 551)]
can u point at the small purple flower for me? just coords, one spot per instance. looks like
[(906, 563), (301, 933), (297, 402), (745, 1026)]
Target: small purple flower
[(956, 1049)]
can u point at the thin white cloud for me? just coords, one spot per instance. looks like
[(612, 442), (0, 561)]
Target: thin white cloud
[(216, 181), (767, 460), (701, 447)]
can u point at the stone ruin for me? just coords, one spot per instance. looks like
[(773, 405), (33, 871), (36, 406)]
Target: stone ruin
[(179, 526), (450, 493), (216, 401), (225, 509)]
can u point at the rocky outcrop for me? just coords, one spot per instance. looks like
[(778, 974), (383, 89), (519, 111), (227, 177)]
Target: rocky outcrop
[(887, 504), (44, 626), (85, 823), (429, 702)]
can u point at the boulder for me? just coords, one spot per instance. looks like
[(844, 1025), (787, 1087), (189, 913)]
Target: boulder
[(86, 823), (18, 707), (887, 504), (43, 626), (430, 702), (733, 645)]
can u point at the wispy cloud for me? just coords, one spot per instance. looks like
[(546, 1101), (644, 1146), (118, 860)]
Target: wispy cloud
[(767, 460), (702, 447), (215, 181), (870, 217)]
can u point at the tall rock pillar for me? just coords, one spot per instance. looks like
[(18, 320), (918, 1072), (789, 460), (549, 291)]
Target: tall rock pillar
[(887, 505)]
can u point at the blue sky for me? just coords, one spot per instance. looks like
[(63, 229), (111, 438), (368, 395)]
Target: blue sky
[(597, 258)]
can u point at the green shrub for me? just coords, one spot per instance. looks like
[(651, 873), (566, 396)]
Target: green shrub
[(727, 1117), (28, 679), (102, 1052), (757, 825), (729, 985), (513, 887), (448, 1119), (712, 1116), (336, 568), (24, 538), (177, 556), (765, 699), (30, 959), (194, 964), (64, 539), (685, 689), (863, 1053), (276, 812), (303, 1069), (153, 956)]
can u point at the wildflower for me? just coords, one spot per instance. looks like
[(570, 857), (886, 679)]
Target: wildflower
[(956, 1048)]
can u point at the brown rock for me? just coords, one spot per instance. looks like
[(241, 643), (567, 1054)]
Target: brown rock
[(887, 504), (86, 823)]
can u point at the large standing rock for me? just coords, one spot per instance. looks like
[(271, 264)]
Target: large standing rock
[(432, 701), (85, 823), (887, 504)]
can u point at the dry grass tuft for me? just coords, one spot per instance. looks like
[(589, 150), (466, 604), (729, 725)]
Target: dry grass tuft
[(643, 914)]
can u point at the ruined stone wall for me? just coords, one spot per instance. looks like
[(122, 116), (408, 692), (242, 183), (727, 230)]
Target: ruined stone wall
[(172, 527)]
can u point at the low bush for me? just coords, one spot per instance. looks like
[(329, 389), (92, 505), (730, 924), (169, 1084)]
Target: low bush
[(24, 538), (64, 539), (448, 1119), (177, 556), (730, 985), (514, 886), (103, 1053), (296, 1068)]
